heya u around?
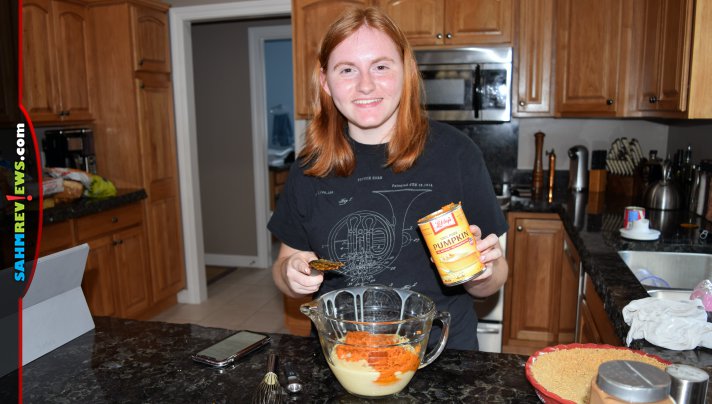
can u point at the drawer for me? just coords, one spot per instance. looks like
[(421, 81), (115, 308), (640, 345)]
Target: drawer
[(109, 221), (56, 237)]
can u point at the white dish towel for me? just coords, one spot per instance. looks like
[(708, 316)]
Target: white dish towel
[(671, 324)]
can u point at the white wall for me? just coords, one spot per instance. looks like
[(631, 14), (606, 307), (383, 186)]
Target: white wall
[(595, 134)]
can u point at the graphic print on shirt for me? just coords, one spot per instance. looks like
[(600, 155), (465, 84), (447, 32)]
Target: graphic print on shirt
[(369, 242)]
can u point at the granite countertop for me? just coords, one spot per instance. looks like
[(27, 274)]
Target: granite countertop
[(142, 361), (86, 206), (592, 221)]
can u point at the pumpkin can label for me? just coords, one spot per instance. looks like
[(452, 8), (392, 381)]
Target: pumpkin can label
[(451, 244)]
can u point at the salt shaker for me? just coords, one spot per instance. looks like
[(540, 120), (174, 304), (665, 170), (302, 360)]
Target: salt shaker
[(689, 384)]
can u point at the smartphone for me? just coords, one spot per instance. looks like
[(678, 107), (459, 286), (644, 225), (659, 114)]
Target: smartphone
[(231, 348)]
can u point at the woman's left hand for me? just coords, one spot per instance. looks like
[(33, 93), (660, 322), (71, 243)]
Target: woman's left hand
[(490, 251)]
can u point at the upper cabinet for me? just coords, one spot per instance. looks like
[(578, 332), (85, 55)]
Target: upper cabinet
[(664, 55), (675, 59), (310, 20), (56, 74), (452, 22), (149, 31), (591, 56), (533, 77)]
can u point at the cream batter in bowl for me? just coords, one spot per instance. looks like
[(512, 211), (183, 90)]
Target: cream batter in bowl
[(374, 338)]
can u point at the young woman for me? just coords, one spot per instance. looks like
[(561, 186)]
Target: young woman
[(373, 164)]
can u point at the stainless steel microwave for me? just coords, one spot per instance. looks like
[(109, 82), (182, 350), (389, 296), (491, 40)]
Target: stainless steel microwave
[(467, 84)]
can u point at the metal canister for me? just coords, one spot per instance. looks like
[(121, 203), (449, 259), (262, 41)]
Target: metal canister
[(451, 244)]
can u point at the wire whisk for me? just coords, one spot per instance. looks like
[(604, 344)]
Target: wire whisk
[(269, 390)]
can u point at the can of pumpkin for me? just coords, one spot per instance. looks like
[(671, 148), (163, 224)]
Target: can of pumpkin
[(451, 244)]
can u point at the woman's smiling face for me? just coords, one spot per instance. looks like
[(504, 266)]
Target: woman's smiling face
[(364, 77)]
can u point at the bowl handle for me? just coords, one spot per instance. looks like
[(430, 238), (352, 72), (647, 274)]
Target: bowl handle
[(444, 318)]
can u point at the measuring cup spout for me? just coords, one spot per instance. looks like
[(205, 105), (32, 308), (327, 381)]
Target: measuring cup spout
[(309, 309)]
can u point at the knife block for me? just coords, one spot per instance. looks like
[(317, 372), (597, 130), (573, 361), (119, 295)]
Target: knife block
[(624, 185)]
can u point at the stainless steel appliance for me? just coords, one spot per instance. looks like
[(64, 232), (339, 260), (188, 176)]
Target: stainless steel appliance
[(490, 314), (467, 84), (578, 168), (71, 148)]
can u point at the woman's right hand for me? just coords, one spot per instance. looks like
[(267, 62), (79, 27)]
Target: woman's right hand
[(292, 274)]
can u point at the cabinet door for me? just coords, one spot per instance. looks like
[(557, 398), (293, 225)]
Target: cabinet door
[(149, 29), (569, 287), (39, 94), (587, 62), (665, 59), (473, 22), (98, 283), (71, 34), (588, 334), (533, 76), (422, 21), (596, 323), (533, 290), (310, 20), (132, 279), (158, 153)]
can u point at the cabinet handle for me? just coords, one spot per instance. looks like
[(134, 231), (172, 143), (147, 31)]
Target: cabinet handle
[(653, 99), (114, 219), (609, 101), (439, 36), (520, 228), (448, 36), (522, 103), (141, 85), (119, 241), (140, 62), (63, 113)]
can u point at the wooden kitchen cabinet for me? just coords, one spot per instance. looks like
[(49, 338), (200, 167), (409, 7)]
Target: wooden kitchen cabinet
[(56, 237), (533, 71), (594, 325), (571, 272), (135, 139), (674, 59), (452, 22), (114, 281), (592, 57), (664, 55), (149, 32), (56, 69), (310, 20), (533, 296)]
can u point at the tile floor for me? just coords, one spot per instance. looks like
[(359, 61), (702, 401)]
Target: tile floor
[(245, 299)]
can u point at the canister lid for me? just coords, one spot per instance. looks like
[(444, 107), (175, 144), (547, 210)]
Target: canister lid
[(633, 381)]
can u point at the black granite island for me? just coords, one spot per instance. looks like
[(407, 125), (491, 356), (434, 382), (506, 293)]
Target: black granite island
[(124, 361)]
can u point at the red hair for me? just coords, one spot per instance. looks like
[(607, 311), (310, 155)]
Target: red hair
[(327, 149)]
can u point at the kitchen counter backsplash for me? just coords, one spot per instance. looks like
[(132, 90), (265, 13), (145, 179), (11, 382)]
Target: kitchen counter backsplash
[(86, 206), (499, 145)]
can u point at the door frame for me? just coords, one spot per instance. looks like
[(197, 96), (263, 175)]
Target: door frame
[(181, 19)]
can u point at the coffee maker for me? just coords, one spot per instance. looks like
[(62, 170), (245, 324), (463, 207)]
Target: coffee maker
[(71, 148)]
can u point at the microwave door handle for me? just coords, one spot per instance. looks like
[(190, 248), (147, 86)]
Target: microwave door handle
[(475, 93)]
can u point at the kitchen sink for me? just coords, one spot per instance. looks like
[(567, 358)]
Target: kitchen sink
[(670, 294), (663, 271)]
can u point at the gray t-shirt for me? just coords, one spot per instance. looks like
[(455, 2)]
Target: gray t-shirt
[(368, 220)]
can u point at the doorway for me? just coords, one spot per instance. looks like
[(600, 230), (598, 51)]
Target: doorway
[(181, 20)]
